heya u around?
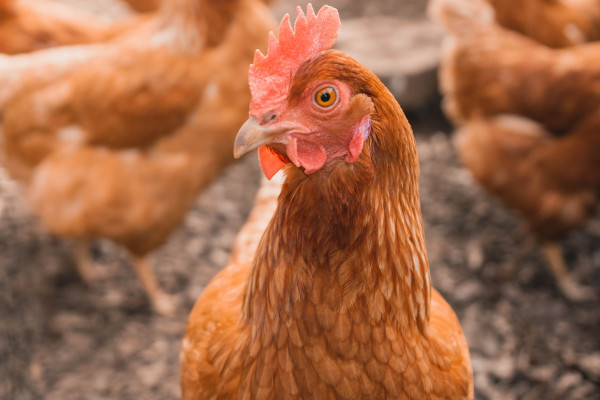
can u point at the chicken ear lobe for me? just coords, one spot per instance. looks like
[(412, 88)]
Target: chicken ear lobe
[(358, 139)]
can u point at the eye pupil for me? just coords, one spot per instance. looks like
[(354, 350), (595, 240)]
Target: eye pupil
[(325, 97)]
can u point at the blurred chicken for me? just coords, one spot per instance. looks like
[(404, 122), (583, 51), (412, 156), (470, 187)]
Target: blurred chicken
[(531, 118), (337, 301), (553, 182), (120, 146), (555, 23), (33, 25)]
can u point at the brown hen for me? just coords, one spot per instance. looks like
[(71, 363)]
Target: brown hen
[(530, 117), (337, 302), (120, 146)]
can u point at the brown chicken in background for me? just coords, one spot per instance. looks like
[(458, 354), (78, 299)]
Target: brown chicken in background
[(337, 302), (530, 117), (120, 146), (34, 25), (555, 23)]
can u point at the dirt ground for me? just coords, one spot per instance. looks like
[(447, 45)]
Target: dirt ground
[(63, 340)]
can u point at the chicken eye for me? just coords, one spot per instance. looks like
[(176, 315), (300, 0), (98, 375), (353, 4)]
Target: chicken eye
[(326, 97)]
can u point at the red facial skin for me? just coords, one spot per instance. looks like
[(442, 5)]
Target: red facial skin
[(311, 135)]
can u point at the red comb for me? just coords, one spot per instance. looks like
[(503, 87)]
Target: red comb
[(270, 75)]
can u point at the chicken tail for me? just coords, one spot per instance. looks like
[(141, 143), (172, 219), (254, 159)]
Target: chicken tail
[(462, 17)]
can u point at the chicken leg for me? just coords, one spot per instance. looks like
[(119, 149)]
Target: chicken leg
[(162, 303), (83, 262), (572, 290)]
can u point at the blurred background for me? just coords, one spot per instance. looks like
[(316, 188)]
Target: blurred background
[(63, 339)]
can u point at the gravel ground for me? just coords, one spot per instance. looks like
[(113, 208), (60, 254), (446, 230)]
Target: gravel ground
[(60, 339), (526, 341)]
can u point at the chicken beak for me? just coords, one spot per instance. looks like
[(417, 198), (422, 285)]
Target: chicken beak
[(252, 135)]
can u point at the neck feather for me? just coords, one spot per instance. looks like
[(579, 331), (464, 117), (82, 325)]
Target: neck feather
[(353, 237)]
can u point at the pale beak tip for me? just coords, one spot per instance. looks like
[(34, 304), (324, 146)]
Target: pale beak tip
[(238, 152)]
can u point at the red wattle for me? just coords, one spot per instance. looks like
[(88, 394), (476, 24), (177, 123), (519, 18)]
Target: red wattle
[(270, 162)]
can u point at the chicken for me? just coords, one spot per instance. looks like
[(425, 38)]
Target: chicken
[(30, 26), (337, 302), (528, 118), (553, 182), (555, 23), (120, 147)]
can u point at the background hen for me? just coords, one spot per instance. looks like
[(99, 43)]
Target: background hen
[(531, 118), (337, 302), (120, 147)]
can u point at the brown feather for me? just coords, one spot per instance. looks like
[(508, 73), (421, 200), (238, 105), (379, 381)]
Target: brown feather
[(530, 114)]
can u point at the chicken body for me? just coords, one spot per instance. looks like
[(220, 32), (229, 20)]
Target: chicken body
[(337, 301), (31, 26), (120, 147), (529, 117)]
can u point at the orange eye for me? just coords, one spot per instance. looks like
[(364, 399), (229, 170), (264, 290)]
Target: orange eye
[(326, 97)]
